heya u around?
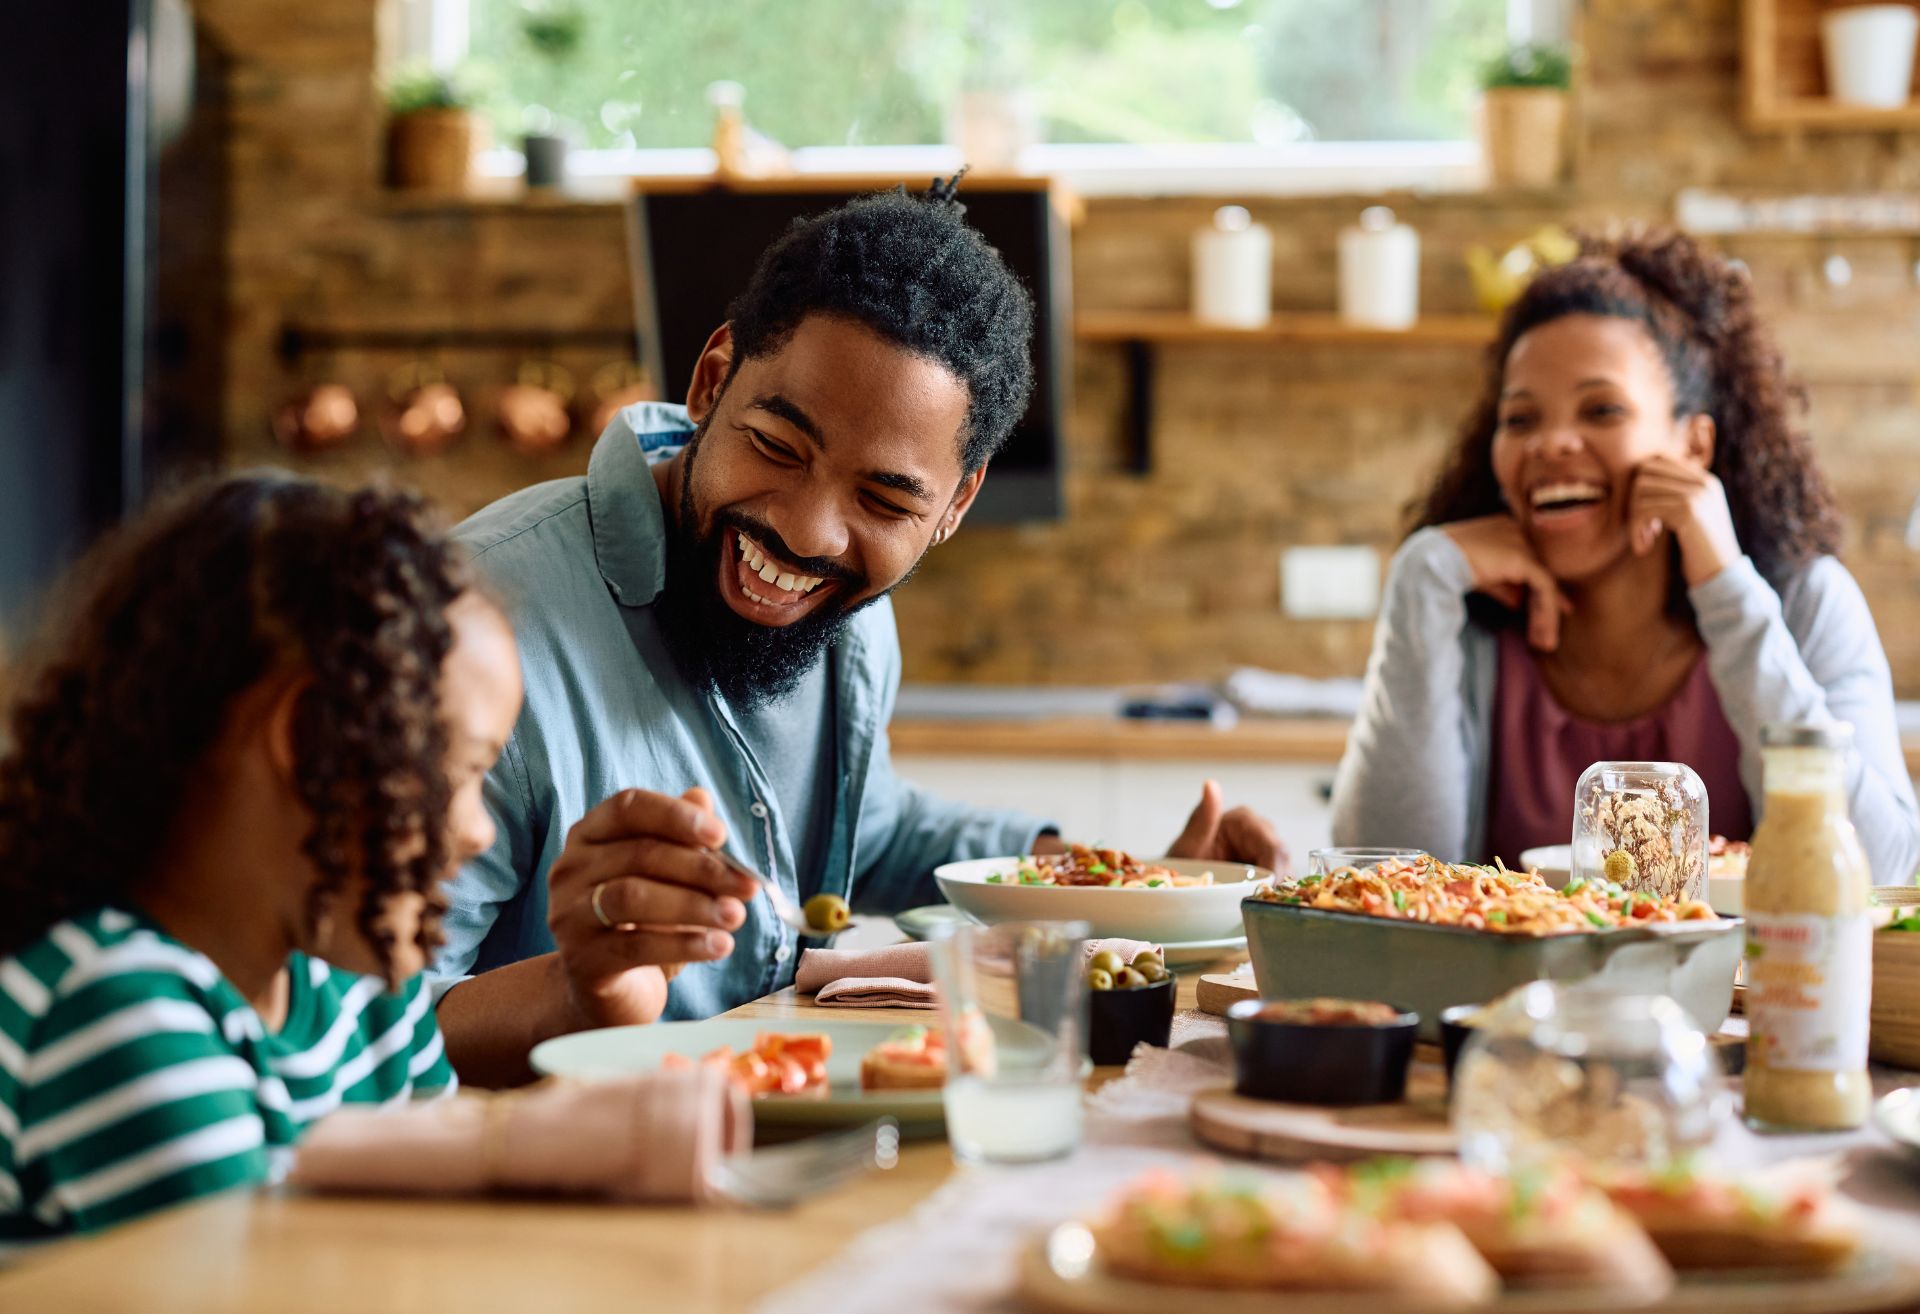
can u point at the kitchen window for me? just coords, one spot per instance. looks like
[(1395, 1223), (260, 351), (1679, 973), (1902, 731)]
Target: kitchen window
[(1115, 95)]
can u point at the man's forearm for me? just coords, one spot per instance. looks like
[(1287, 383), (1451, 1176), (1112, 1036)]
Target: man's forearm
[(491, 1022)]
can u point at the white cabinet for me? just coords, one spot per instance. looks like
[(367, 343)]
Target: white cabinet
[(1139, 806)]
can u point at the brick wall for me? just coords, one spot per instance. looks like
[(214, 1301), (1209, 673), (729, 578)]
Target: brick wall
[(1168, 575)]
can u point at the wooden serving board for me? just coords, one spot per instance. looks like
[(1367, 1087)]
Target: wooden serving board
[(1219, 991), (1071, 1282), (1294, 1133)]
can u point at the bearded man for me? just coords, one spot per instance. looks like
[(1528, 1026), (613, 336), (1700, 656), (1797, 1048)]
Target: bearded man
[(709, 654)]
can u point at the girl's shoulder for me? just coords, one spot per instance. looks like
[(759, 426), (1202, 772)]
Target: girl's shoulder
[(90, 965)]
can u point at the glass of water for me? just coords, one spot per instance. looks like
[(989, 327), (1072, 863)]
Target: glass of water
[(1013, 1004)]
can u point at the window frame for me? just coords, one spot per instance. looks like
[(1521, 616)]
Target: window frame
[(436, 31)]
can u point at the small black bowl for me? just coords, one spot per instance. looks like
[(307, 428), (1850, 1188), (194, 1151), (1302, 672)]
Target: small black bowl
[(1121, 1019), (1454, 1031), (1310, 1063)]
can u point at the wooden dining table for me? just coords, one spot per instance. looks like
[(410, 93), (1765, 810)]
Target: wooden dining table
[(291, 1253)]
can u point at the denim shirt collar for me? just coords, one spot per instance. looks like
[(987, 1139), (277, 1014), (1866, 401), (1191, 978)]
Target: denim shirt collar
[(623, 502)]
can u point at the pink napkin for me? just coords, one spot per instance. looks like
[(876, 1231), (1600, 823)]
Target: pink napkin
[(649, 1137), (897, 976)]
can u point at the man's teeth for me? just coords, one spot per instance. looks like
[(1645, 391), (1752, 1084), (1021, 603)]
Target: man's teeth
[(1566, 494), (781, 579)]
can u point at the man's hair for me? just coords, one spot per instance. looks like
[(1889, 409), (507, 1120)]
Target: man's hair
[(910, 269)]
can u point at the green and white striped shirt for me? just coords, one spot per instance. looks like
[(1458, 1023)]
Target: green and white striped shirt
[(134, 1076)]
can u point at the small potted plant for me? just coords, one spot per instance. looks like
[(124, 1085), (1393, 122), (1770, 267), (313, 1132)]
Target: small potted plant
[(553, 31), (431, 131), (1523, 115)]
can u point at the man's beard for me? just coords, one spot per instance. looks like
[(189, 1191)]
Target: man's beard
[(716, 647)]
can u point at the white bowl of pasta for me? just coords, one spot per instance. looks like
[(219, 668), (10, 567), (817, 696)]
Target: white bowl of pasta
[(1159, 899)]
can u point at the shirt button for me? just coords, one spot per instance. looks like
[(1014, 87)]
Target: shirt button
[(758, 809), (781, 954)]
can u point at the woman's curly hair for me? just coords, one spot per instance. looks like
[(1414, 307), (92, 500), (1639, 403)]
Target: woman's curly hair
[(175, 616), (1699, 310)]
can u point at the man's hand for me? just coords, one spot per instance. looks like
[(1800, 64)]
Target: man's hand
[(1239, 835), (664, 900)]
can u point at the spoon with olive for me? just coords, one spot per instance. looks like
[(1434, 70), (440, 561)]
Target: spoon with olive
[(824, 914)]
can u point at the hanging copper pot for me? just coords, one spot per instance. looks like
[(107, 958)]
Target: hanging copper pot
[(426, 414), (615, 387), (324, 416), (533, 411)]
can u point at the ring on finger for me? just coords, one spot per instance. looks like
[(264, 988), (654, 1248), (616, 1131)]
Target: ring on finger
[(599, 913)]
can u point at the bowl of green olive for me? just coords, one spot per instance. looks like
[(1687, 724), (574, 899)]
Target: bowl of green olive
[(1128, 1002)]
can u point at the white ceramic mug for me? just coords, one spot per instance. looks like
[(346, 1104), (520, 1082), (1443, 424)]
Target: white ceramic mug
[(1869, 53)]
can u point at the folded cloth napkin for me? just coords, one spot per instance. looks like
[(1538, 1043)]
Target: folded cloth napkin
[(897, 976), (649, 1137)]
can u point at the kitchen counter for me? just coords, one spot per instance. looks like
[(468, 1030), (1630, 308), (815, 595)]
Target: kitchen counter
[(1303, 740), (1309, 740)]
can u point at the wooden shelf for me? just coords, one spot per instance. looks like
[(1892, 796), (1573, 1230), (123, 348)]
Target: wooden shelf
[(1783, 81), (1139, 332), (1149, 326)]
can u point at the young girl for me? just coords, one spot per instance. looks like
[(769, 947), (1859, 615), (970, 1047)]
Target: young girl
[(229, 796), (1629, 555)]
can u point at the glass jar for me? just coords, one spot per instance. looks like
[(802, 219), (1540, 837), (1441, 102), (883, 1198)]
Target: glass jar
[(1642, 826), (1809, 940), (1558, 1072)]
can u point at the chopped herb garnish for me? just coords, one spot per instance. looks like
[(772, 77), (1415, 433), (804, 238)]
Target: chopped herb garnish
[(1155, 883), (1498, 917), (1911, 922), (1098, 869), (996, 879), (1310, 880), (1574, 886), (1596, 918), (1400, 900)]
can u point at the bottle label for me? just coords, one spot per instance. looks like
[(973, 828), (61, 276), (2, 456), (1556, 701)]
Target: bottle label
[(1809, 987)]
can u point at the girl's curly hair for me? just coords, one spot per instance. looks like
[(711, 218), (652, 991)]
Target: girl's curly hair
[(1699, 310), (178, 613)]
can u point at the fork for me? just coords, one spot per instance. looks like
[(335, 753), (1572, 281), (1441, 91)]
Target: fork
[(783, 905), (787, 1174)]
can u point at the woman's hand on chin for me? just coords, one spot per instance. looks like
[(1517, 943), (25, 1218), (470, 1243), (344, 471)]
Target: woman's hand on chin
[(1673, 495), (1506, 570)]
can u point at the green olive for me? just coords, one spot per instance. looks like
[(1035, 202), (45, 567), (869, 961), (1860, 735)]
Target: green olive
[(1154, 973), (1106, 961), (1128, 979), (1146, 958), (827, 913), (1099, 979)]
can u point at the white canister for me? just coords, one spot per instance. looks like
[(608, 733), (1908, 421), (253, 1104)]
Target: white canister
[(1233, 270), (1379, 272), (1869, 51)]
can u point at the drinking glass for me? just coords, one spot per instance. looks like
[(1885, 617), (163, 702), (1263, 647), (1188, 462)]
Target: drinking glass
[(1013, 1004), (1321, 862)]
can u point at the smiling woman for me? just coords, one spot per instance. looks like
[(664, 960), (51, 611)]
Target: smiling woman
[(1629, 555)]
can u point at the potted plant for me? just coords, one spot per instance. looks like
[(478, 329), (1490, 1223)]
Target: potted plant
[(1523, 115), (431, 131), (553, 31)]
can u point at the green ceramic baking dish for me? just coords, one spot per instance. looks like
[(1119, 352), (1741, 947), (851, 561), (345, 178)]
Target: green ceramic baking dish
[(1299, 952)]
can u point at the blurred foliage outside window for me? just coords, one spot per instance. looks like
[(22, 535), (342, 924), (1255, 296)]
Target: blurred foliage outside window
[(888, 72)]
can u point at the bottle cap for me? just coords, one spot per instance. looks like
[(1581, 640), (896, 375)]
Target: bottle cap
[(1836, 735), (1376, 218)]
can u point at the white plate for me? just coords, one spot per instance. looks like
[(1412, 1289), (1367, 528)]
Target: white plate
[(1725, 894), (919, 924), (625, 1051), (1898, 1115), (1185, 914)]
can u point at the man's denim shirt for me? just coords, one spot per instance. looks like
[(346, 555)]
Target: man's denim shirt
[(578, 564)]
